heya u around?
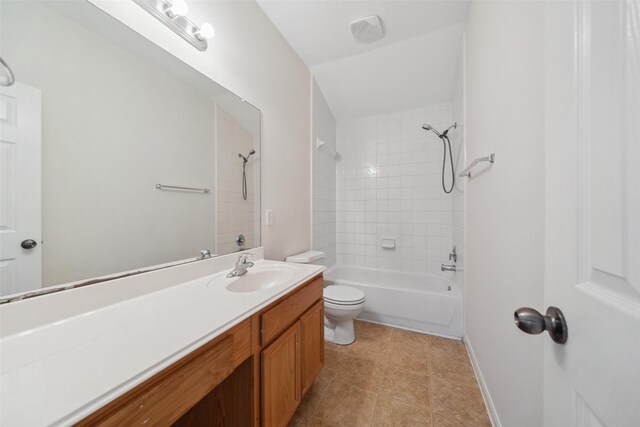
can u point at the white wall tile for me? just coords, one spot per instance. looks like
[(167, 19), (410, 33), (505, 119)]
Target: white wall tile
[(388, 185)]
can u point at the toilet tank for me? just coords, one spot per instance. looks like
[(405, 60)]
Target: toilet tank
[(308, 257)]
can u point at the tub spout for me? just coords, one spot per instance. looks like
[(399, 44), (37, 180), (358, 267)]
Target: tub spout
[(448, 267)]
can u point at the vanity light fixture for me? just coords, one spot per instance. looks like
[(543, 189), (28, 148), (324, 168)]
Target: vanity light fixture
[(206, 31), (173, 15), (176, 8)]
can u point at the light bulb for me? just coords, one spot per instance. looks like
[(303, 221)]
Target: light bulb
[(177, 8), (205, 31)]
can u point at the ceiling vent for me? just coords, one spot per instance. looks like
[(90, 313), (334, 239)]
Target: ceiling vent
[(367, 30)]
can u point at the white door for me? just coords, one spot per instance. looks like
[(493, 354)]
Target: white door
[(592, 66), (20, 267)]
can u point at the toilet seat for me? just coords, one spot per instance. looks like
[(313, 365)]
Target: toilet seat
[(343, 295)]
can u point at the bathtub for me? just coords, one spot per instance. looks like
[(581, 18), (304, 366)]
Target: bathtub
[(423, 302)]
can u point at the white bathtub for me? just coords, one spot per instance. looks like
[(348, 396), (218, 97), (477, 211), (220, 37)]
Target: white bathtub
[(424, 302)]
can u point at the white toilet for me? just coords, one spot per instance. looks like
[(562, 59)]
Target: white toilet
[(341, 304)]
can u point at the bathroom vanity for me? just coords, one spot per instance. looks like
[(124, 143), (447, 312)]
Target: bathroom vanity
[(261, 346), (256, 371)]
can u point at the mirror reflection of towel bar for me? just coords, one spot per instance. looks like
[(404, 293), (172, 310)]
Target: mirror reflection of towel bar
[(173, 187)]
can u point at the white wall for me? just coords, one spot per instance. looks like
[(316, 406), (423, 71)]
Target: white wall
[(250, 57), (324, 178), (505, 204), (101, 212), (389, 185), (458, 149)]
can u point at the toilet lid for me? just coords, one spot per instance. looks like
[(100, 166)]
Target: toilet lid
[(343, 295)]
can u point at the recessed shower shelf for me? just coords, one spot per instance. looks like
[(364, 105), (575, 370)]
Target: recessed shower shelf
[(491, 158)]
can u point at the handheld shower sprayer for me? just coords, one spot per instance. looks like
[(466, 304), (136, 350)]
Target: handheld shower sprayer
[(440, 135), (445, 142), (246, 159), (244, 172)]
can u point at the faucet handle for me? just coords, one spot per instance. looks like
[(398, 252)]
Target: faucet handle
[(453, 255), (243, 257)]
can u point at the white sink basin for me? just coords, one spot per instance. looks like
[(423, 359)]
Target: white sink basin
[(258, 279)]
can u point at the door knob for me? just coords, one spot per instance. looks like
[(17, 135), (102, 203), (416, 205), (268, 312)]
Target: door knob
[(532, 322), (29, 244)]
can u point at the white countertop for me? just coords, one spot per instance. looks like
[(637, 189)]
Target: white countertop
[(59, 372)]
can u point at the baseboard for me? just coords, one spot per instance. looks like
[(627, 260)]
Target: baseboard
[(491, 409)]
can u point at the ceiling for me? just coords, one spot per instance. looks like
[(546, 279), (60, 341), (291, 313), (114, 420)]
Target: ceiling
[(414, 65)]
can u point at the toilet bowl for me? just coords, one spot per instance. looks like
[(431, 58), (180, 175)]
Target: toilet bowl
[(341, 305)]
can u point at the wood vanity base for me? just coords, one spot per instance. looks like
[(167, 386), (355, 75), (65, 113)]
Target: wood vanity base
[(254, 374)]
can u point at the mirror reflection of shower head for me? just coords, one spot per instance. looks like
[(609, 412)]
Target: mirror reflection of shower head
[(246, 159), (440, 135), (244, 172), (432, 129)]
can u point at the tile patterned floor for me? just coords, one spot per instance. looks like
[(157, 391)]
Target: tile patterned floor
[(392, 377)]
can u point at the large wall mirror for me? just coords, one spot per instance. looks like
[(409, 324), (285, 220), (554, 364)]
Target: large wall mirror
[(97, 135)]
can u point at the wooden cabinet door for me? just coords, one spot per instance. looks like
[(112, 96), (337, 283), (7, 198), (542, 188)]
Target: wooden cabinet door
[(281, 378), (311, 344)]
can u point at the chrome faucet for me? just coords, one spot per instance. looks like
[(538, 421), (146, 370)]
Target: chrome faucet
[(448, 267), (204, 254), (241, 266)]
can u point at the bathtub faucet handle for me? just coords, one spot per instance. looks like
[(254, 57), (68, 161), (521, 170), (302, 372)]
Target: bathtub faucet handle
[(453, 255)]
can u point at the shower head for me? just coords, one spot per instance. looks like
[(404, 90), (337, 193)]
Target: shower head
[(440, 135), (432, 129), (246, 159)]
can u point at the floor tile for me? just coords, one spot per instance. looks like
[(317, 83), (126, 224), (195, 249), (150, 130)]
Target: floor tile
[(393, 377), (416, 361), (367, 348), (373, 331), (448, 421), (406, 386), (393, 413), (319, 423), (347, 406), (333, 357), (312, 398), (298, 420), (365, 374), (461, 403), (409, 341), (456, 369), (450, 346)]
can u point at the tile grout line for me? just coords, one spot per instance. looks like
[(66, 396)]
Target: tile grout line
[(313, 414), (375, 405)]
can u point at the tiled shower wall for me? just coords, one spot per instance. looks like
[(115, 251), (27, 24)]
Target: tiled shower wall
[(389, 186)]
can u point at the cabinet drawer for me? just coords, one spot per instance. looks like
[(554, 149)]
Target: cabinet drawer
[(275, 320), (166, 396), (241, 342), (162, 399)]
